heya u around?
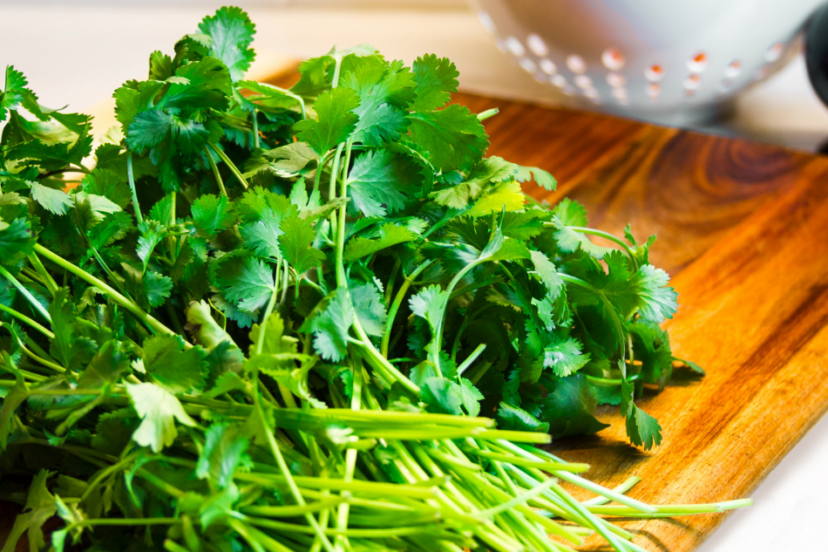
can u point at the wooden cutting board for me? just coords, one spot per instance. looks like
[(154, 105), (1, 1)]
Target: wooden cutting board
[(743, 230)]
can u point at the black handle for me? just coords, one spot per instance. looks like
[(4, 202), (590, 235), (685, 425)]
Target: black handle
[(816, 52)]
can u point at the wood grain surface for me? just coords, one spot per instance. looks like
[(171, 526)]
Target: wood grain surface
[(743, 230)]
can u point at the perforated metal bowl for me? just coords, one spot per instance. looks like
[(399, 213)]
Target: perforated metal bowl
[(664, 61)]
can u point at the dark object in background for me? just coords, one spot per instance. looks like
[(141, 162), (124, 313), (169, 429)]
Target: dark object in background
[(816, 53)]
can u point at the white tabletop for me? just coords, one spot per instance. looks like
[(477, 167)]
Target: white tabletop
[(77, 53)]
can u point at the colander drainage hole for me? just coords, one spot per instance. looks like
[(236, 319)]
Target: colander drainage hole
[(774, 52), (654, 73), (692, 82), (559, 81), (612, 59), (537, 45), (697, 63), (576, 64), (528, 65), (733, 69), (583, 81), (653, 91), (548, 66), (616, 80), (486, 21), (515, 46)]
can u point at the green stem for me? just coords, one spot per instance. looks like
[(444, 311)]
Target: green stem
[(43, 361), (351, 454), (470, 359), (149, 320), (389, 287), (488, 113), (232, 166), (29, 297), (123, 521), (606, 236), (340, 234), (631, 482), (332, 184), (216, 173), (271, 441), (131, 178), (255, 129), (48, 281), (26, 320), (395, 306)]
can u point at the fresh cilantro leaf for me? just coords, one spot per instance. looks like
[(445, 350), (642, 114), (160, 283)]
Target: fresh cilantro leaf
[(570, 212), (176, 370), (504, 197), (453, 138), (16, 241), (330, 322), (274, 342), (40, 507), (70, 347), (564, 357), (223, 453), (369, 308), (570, 407), (158, 410), (570, 241), (212, 214), (113, 431), (249, 287), (295, 243), (232, 32), (203, 326), (376, 183), (285, 161), (53, 200), (645, 292), (471, 397), (336, 120), (542, 178), (107, 183), (442, 396), (516, 419), (436, 80), (389, 235)]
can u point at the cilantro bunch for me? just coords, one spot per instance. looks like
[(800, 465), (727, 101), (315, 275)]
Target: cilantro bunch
[(266, 319)]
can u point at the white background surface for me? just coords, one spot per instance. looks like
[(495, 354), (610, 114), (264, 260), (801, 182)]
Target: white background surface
[(78, 53)]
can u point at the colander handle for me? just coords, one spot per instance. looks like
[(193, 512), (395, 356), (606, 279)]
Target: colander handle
[(816, 52)]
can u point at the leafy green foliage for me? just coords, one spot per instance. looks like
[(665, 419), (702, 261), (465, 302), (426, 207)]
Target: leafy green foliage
[(256, 290), (158, 410)]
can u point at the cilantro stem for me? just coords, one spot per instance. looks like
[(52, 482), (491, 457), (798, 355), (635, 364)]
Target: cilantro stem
[(26, 320), (122, 521), (271, 441), (254, 117), (470, 359), (389, 286), (131, 178), (482, 116), (351, 454), (149, 320), (606, 236), (395, 306), (48, 281), (631, 482), (29, 297), (216, 173), (43, 361), (232, 166), (332, 184)]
